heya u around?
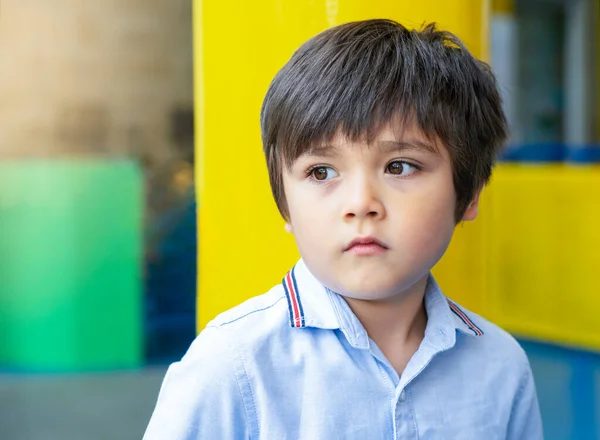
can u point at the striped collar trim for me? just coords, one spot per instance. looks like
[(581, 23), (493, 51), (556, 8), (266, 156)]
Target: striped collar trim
[(296, 311), (326, 310), (310, 303), (463, 320)]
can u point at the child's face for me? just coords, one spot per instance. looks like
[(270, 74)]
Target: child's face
[(395, 194)]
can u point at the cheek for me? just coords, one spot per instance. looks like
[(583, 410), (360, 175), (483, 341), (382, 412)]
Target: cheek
[(307, 207), (438, 200), (309, 219), (432, 223), (311, 226)]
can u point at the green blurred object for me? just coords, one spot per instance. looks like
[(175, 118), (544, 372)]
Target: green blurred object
[(70, 265)]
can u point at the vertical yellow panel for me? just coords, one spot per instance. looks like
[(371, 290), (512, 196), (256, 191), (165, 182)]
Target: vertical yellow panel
[(543, 283), (596, 15), (503, 6), (463, 271), (239, 45)]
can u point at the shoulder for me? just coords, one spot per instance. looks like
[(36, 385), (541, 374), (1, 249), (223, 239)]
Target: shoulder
[(241, 327), (504, 371), (207, 393), (490, 362), (215, 353), (495, 344), (269, 308)]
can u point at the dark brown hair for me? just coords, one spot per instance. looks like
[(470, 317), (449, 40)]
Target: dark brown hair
[(360, 76)]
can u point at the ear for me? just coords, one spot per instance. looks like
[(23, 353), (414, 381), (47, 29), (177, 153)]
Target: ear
[(473, 208), (288, 227)]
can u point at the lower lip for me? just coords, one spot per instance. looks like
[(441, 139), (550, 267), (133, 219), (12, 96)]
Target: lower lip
[(367, 249)]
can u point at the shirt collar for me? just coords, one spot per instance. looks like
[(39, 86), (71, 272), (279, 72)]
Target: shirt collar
[(310, 304)]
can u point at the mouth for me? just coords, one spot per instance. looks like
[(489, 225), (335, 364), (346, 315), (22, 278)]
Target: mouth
[(366, 246)]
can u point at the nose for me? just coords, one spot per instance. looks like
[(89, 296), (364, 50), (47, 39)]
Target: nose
[(363, 199)]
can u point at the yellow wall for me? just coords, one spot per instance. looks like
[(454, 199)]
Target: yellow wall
[(239, 45)]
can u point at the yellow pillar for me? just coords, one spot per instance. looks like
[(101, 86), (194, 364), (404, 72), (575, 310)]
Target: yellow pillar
[(596, 7), (239, 45), (503, 6)]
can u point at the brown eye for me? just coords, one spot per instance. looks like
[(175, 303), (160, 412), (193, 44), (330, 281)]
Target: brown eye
[(323, 173), (401, 168), (320, 173), (395, 167)]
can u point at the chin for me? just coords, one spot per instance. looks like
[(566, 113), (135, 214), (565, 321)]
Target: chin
[(369, 290), (383, 289)]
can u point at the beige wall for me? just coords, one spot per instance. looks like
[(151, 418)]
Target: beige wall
[(81, 76)]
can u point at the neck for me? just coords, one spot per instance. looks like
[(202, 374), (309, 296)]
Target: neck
[(395, 324)]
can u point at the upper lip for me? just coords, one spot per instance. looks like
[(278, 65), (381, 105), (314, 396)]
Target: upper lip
[(365, 240)]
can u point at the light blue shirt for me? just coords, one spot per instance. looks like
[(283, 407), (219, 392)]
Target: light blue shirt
[(296, 363)]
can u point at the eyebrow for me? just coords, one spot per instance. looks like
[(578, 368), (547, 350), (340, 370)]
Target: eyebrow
[(412, 144), (385, 146)]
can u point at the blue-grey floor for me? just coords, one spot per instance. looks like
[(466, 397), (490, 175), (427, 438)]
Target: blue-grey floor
[(568, 385), (102, 406)]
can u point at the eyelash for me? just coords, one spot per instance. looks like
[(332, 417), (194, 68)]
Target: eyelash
[(310, 170)]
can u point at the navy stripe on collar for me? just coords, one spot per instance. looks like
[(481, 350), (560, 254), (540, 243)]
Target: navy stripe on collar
[(292, 294), (464, 318)]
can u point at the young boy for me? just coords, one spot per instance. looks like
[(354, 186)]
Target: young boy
[(378, 142)]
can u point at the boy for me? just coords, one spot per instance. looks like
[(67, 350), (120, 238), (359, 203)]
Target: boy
[(378, 142)]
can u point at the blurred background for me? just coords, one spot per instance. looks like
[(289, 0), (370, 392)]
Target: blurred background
[(115, 115), (97, 213)]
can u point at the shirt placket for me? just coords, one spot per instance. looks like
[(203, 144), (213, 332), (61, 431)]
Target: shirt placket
[(404, 426)]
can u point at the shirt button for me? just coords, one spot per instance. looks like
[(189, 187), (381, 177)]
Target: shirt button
[(402, 396)]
